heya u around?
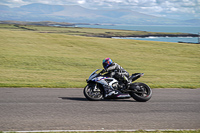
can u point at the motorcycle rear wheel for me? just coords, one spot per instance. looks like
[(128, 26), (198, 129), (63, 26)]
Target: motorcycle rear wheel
[(93, 93), (141, 93)]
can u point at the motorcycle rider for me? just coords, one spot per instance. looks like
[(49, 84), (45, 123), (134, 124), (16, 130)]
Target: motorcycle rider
[(115, 71)]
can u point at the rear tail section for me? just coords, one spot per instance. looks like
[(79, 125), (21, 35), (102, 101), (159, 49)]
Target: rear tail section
[(135, 76)]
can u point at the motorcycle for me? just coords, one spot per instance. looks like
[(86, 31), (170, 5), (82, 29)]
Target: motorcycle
[(97, 82)]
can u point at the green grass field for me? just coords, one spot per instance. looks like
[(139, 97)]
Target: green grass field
[(53, 57)]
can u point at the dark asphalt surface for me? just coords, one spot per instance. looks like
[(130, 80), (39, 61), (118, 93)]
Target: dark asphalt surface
[(26, 109)]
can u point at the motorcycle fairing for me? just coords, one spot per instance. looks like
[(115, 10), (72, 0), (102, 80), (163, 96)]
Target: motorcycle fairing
[(118, 95), (109, 82), (99, 78)]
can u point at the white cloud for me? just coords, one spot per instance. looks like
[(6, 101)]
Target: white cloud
[(153, 7), (13, 3), (81, 1)]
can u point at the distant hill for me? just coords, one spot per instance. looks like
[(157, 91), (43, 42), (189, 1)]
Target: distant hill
[(193, 21), (40, 23), (78, 14)]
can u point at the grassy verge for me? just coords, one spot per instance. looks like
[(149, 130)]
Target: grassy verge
[(36, 58)]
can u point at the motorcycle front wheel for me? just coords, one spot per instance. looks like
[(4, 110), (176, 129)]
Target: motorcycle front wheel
[(93, 92), (141, 93)]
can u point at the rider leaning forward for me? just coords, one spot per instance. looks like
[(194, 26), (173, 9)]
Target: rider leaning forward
[(115, 71)]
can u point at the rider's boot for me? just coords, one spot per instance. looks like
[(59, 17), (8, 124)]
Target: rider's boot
[(127, 82)]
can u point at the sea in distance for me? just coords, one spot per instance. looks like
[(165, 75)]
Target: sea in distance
[(155, 28)]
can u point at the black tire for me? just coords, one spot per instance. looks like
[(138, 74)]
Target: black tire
[(141, 93), (93, 93)]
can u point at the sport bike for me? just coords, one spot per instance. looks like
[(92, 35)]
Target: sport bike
[(97, 83)]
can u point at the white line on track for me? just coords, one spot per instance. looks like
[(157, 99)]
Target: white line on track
[(36, 131)]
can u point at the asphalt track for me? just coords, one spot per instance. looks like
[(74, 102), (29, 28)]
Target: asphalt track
[(30, 109)]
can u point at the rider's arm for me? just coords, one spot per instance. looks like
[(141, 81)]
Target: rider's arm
[(103, 71)]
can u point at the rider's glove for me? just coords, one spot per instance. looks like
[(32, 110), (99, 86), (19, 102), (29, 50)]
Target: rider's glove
[(103, 71)]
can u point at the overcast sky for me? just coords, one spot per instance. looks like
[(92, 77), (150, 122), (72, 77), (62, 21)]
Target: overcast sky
[(179, 9)]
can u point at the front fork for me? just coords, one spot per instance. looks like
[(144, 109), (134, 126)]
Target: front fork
[(97, 87)]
